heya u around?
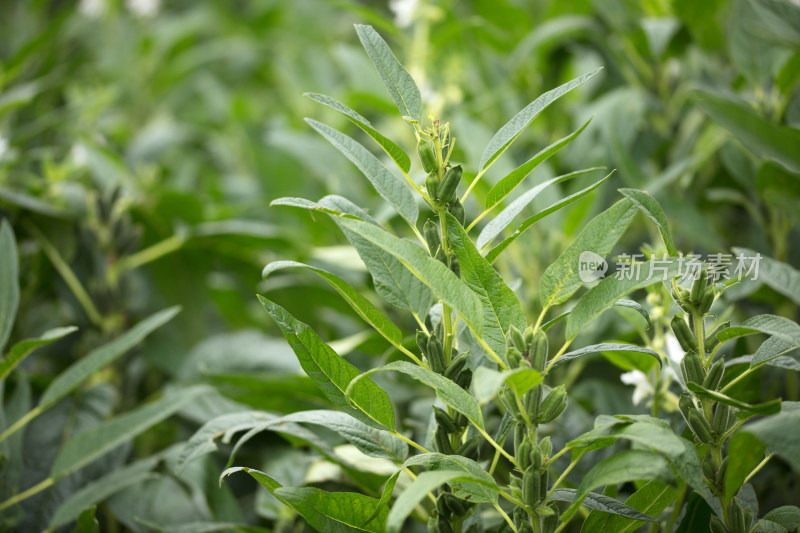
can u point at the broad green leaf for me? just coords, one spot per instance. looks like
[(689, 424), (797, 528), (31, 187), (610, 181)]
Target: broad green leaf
[(444, 284), (766, 408), (386, 496), (609, 291), (391, 149), (96, 441), (23, 348), (651, 499), (331, 373), (395, 77), (425, 483), (83, 369), (100, 489), (514, 127), (753, 131), (390, 187), (606, 347), (365, 309), (779, 276), (495, 252), (696, 516), (9, 282), (507, 184), (777, 326), (335, 512), (745, 451), (477, 493), (771, 349), (450, 393), (487, 382), (500, 222), (561, 280), (628, 465), (600, 502), (501, 308), (652, 210), (781, 520)]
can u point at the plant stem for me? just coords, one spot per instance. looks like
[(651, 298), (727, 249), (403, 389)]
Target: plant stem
[(757, 468), (24, 495), (27, 417), (151, 253), (409, 441), (497, 446), (505, 516), (559, 354)]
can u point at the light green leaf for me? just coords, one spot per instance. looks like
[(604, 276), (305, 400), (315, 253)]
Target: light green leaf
[(507, 184), (87, 523), (450, 393), (331, 373), (606, 347), (96, 441), (600, 502), (487, 382), (391, 149), (444, 284), (561, 280), (391, 188), (781, 520), (771, 349), (766, 408), (495, 252), (365, 309), (501, 308), (753, 131), (304, 204), (777, 326), (650, 207), (335, 512), (609, 291), (745, 451), (651, 499), (386, 496), (476, 493), (628, 465), (9, 282), (398, 81), (514, 127), (496, 226), (83, 369), (779, 276), (23, 348)]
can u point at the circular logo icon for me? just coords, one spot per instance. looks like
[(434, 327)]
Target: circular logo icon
[(591, 266)]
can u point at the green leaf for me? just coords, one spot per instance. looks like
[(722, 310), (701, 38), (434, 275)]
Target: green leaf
[(606, 347), (600, 502), (9, 282), (392, 150), (771, 349), (306, 204), (781, 520), (487, 382), (609, 291), (496, 226), (561, 280), (100, 489), (495, 252), (331, 373), (83, 369), (697, 515), (22, 349), (780, 432), (628, 465), (753, 131), (335, 512), (651, 499), (766, 408), (507, 184), (501, 308), (485, 492), (87, 523), (444, 284), (450, 393), (390, 187), (777, 326), (652, 210), (745, 451), (514, 127), (386, 496), (779, 276), (365, 309), (395, 77), (96, 441), (636, 306)]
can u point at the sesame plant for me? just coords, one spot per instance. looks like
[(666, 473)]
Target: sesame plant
[(485, 458)]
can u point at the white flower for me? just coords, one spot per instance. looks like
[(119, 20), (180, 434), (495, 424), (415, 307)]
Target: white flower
[(93, 8), (404, 11), (639, 380), (643, 387), (143, 8)]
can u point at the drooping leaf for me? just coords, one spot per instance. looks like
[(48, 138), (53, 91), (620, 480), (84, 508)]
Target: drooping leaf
[(514, 127), (9, 282), (477, 493), (745, 451), (23, 348), (600, 502), (392, 189), (561, 279), (395, 77), (606, 347), (777, 326), (337, 512), (392, 150), (651, 208), (331, 373), (779, 276), (495, 252), (500, 222), (766, 408), (636, 306), (501, 308)]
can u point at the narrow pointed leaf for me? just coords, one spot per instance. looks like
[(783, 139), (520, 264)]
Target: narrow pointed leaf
[(9, 282), (22, 349), (777, 326), (512, 129), (779, 276), (600, 502), (368, 402), (636, 306), (386, 497), (606, 347), (652, 210), (767, 408)]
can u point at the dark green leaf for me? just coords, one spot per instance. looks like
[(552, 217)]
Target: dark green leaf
[(650, 207), (9, 282), (766, 408), (23, 348), (745, 451)]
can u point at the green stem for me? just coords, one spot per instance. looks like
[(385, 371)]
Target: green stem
[(757, 468), (559, 480), (151, 253), (24, 495), (30, 415), (505, 516), (409, 441), (497, 446), (559, 354)]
